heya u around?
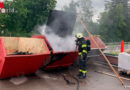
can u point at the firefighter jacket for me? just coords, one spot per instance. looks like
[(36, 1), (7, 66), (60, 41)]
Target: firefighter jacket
[(82, 46)]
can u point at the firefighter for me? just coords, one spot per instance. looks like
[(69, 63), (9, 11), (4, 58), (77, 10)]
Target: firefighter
[(83, 48)]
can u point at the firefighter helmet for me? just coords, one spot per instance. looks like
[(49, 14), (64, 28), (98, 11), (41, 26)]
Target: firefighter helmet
[(79, 35)]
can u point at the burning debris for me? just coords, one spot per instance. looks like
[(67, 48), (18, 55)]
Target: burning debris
[(21, 53)]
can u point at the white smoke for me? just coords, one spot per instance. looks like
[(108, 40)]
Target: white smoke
[(59, 44)]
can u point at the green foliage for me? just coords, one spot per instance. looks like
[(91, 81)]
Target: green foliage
[(114, 53), (27, 14), (86, 14), (113, 23), (86, 10), (72, 7)]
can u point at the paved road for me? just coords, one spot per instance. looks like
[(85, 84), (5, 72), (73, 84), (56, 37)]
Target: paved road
[(55, 81)]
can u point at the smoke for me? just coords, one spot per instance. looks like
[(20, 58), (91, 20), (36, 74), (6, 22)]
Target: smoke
[(58, 30), (59, 44)]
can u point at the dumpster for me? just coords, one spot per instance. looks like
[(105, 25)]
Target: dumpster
[(65, 59), (61, 60), (57, 59), (98, 41), (12, 64), (59, 31)]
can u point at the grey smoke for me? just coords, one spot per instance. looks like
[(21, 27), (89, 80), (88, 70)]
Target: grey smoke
[(59, 44)]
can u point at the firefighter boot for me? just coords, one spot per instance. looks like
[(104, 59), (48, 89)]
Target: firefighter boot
[(80, 73), (83, 76)]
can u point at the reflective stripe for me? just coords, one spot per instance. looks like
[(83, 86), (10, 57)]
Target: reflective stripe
[(80, 70), (83, 71), (79, 53), (84, 45), (84, 51)]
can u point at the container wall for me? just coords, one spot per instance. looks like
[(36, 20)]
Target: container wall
[(2, 54), (49, 56), (21, 65), (14, 65), (62, 59), (46, 41), (31, 45), (10, 44), (98, 41), (57, 59)]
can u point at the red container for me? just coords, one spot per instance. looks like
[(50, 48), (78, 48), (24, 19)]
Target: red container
[(62, 59), (58, 59), (65, 59), (99, 42), (14, 65)]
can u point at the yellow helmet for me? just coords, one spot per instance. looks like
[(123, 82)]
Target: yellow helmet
[(79, 35)]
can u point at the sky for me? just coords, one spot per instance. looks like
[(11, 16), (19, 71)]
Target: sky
[(98, 6)]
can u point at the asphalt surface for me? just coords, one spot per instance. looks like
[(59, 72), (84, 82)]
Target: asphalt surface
[(54, 80)]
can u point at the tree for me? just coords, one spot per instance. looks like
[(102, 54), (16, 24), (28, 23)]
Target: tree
[(27, 14), (113, 23), (84, 9), (86, 14), (72, 7)]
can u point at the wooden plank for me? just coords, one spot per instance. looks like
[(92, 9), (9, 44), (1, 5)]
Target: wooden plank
[(32, 45), (122, 82), (10, 44), (112, 75)]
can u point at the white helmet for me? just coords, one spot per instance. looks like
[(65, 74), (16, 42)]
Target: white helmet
[(79, 35)]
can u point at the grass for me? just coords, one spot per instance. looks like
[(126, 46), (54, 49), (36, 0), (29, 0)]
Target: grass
[(114, 53), (117, 52), (128, 51)]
